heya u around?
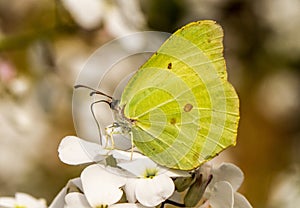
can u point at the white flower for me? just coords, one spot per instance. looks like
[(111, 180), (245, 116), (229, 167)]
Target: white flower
[(59, 200), (221, 191), (220, 195), (285, 191), (152, 184), (74, 151), (81, 200), (119, 17), (87, 13), (22, 200), (127, 205), (100, 188), (78, 200)]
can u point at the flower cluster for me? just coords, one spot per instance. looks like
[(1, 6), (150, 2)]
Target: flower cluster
[(22, 200), (115, 174), (116, 178)]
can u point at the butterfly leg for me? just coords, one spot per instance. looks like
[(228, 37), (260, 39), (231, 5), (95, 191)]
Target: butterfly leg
[(109, 131), (132, 145), (107, 135), (115, 128), (112, 140)]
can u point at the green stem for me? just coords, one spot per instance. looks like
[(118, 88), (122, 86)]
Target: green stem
[(172, 203)]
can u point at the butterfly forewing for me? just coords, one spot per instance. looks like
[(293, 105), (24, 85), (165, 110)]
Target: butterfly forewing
[(184, 109)]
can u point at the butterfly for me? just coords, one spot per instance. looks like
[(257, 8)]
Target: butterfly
[(179, 108)]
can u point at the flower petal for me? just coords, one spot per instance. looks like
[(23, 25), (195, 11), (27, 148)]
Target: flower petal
[(127, 205), (22, 199), (125, 155), (129, 189), (173, 172), (7, 201), (222, 195), (74, 151), (151, 192), (29, 201), (139, 166), (59, 200), (100, 186), (76, 200), (228, 172), (240, 201), (80, 8)]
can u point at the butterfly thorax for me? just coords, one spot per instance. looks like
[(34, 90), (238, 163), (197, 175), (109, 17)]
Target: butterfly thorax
[(121, 125)]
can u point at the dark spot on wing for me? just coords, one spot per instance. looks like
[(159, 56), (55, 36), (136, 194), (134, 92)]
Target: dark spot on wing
[(188, 107), (173, 121), (170, 65)]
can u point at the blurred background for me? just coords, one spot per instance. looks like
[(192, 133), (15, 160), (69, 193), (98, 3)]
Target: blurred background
[(44, 45)]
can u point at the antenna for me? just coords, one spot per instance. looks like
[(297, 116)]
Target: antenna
[(94, 92)]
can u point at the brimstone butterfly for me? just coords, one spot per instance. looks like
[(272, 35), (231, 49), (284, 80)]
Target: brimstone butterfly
[(179, 108)]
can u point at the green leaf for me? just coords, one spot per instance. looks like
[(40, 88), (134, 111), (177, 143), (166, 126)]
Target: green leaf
[(197, 189), (182, 183)]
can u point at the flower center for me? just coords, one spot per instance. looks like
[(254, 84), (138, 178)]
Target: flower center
[(102, 206), (150, 173)]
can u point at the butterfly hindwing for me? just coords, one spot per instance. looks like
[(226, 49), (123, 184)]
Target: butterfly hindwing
[(184, 109)]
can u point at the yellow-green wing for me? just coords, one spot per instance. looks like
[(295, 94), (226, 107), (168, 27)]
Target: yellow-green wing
[(184, 111)]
